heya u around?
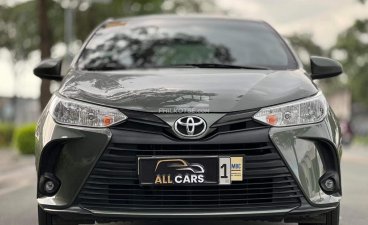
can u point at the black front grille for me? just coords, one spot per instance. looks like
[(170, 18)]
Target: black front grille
[(150, 123), (113, 183)]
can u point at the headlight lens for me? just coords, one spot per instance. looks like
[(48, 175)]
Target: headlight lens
[(70, 112), (305, 111)]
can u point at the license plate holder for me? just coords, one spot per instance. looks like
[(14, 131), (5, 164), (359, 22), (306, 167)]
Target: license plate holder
[(190, 170)]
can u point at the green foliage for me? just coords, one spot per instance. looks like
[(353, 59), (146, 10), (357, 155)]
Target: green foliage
[(25, 139), (6, 134), (189, 6), (19, 27), (362, 140), (352, 45), (87, 20), (305, 47)]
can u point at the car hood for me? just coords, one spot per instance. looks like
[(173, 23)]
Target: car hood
[(187, 90)]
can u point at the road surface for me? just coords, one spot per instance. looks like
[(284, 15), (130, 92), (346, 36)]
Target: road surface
[(18, 204)]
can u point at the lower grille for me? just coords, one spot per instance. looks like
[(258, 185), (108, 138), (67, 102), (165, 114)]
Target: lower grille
[(114, 185)]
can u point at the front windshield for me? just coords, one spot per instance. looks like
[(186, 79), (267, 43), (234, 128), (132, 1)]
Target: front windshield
[(157, 43)]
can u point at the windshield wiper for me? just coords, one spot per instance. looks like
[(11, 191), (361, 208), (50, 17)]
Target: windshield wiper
[(215, 65), (189, 65), (104, 68)]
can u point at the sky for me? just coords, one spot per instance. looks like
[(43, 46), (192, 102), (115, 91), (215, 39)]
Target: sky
[(324, 19)]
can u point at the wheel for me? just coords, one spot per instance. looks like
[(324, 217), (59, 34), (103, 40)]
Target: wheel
[(45, 218), (332, 218)]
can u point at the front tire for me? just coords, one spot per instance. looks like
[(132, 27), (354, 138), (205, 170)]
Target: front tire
[(332, 218)]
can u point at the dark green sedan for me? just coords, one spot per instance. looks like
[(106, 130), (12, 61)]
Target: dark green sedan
[(186, 118)]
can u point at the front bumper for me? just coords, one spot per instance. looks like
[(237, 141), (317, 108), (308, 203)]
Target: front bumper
[(303, 149), (304, 213)]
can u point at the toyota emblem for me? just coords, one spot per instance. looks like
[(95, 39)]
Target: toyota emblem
[(190, 126)]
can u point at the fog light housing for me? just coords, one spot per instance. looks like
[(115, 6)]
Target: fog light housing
[(48, 184), (329, 183)]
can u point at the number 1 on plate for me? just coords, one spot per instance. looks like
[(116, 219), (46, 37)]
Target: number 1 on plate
[(224, 171)]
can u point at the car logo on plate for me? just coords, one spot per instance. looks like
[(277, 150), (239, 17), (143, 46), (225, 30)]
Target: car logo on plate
[(182, 172), (190, 126), (181, 165)]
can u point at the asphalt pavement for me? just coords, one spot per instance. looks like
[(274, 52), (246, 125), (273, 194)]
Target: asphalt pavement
[(18, 188)]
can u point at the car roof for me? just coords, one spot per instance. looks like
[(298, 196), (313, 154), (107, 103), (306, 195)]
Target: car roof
[(174, 16)]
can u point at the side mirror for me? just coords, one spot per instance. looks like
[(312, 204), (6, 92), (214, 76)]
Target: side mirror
[(49, 69), (324, 67)]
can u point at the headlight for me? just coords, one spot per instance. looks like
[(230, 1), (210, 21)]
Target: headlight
[(305, 111), (70, 112)]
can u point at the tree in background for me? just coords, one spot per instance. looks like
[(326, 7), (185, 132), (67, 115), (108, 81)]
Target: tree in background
[(305, 47), (21, 37), (352, 51), (45, 46), (88, 18)]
